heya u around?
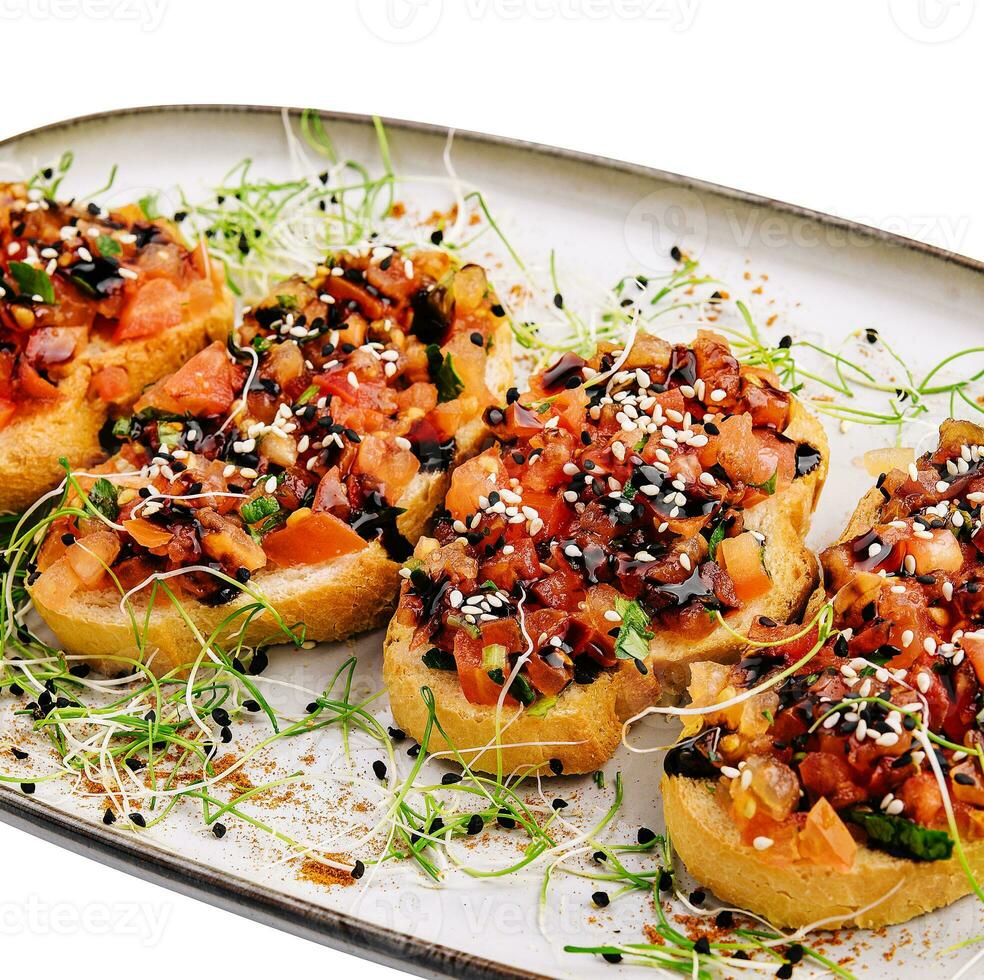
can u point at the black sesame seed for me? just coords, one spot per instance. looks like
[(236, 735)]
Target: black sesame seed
[(724, 919), (312, 707), (601, 899), (413, 751), (450, 778), (665, 881), (645, 836), (379, 768), (358, 870), (702, 946), (397, 734), (676, 254), (109, 817), (138, 820), (612, 957), (475, 824), (505, 821), (226, 735), (600, 856), (697, 896), (556, 766), (437, 237), (68, 539), (559, 804), (786, 970), (795, 953), (251, 705), (80, 670), (28, 788), (963, 778), (19, 754), (219, 830), (785, 342), (477, 339)]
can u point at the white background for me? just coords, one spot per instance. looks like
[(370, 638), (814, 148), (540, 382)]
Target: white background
[(865, 109)]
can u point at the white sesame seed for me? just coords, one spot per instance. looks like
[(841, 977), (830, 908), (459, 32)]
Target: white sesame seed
[(612, 616), (718, 395), (730, 772), (685, 561), (762, 843)]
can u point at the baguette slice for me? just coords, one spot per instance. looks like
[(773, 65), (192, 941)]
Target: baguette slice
[(784, 519), (332, 599), (797, 895), (583, 727), (581, 731), (42, 431)]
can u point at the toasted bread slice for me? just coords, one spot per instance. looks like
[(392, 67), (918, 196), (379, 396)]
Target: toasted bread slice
[(330, 599), (784, 519), (581, 731), (97, 306), (795, 895), (69, 426), (572, 460), (901, 581)]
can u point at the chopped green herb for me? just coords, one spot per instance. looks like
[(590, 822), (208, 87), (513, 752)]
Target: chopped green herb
[(443, 374), (717, 536), (439, 659), (32, 282), (104, 497), (634, 635), (255, 510), (902, 837), (108, 245)]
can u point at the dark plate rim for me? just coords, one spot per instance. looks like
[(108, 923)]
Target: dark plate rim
[(340, 930)]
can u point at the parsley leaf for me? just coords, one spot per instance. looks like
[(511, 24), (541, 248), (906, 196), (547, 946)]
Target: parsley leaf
[(634, 635), (108, 245), (255, 510), (443, 374), (717, 536), (104, 497), (32, 282)]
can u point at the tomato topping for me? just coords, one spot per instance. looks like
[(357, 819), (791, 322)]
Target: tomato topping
[(206, 385), (743, 559), (110, 383), (310, 539), (154, 307)]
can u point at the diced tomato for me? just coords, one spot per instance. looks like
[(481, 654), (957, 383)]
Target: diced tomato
[(331, 494), (472, 480), (570, 407), (522, 565), (343, 291), (155, 306), (829, 776), (56, 584), (973, 646), (449, 417), (546, 678), (505, 632), (110, 383), (421, 394), (741, 558), (393, 466), (546, 471), (146, 533), (825, 840), (33, 385), (476, 685), (90, 555), (310, 538), (206, 385), (940, 553)]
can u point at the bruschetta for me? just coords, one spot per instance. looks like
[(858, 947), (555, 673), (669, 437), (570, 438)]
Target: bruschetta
[(837, 777), (638, 508), (297, 469), (94, 306)]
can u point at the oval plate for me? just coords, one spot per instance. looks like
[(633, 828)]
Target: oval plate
[(799, 270)]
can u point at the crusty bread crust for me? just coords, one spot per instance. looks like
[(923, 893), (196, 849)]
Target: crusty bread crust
[(795, 895), (784, 520), (33, 442), (333, 600), (582, 729)]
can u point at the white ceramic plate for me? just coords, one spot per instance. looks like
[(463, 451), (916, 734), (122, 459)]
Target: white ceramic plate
[(803, 273)]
